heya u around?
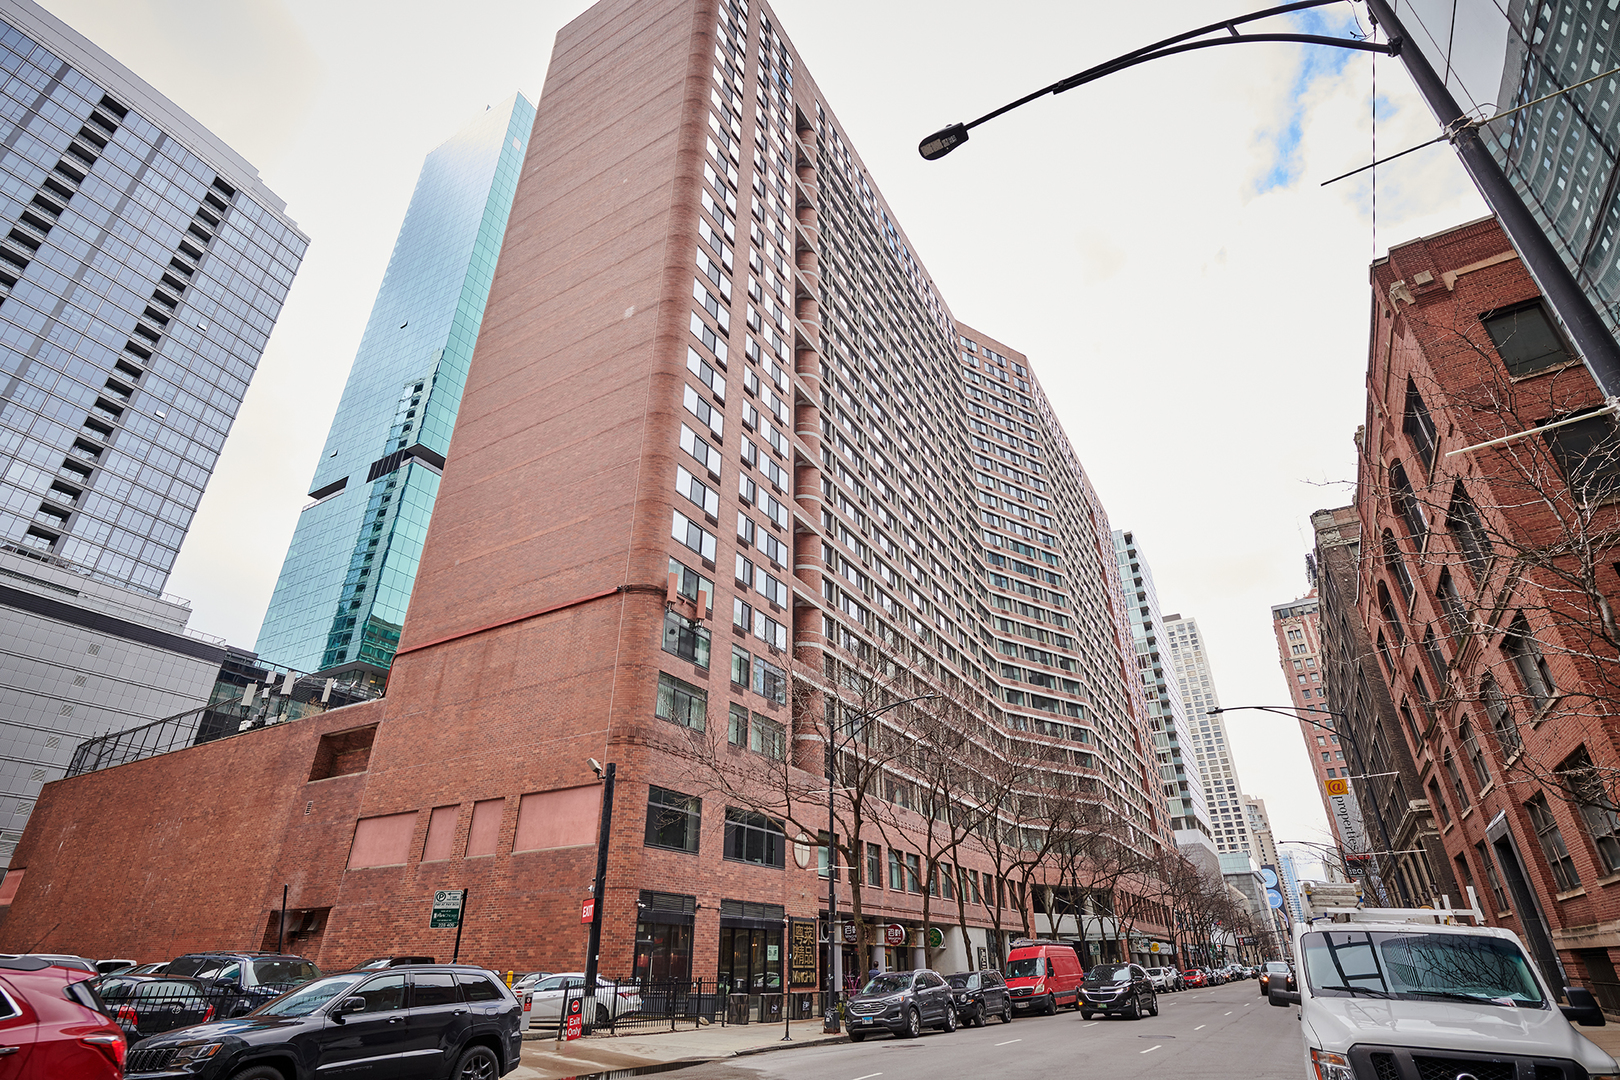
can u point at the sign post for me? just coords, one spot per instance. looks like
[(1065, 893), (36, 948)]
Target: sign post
[(449, 905)]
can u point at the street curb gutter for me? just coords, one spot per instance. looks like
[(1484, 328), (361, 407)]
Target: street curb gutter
[(791, 1046)]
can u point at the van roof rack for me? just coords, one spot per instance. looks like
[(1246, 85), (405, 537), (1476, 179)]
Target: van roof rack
[(1024, 943), (1342, 903)]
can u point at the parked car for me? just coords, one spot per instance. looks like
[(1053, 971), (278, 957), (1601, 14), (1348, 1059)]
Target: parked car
[(902, 1002), (144, 1005), (613, 1000), (238, 983), (1212, 977), (1124, 989), (110, 967), (1193, 978), (147, 969), (528, 979), (1166, 980), (1044, 975), (980, 994), (378, 963), (425, 1020), (1273, 970), (57, 1024)]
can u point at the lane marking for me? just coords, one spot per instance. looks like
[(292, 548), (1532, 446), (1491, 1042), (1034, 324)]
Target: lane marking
[(1009, 1042), (1150, 1049), (1094, 1023), (1200, 1027), (868, 1076)]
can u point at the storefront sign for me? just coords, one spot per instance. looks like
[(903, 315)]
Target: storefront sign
[(802, 950), (850, 933), (894, 934), (935, 938)]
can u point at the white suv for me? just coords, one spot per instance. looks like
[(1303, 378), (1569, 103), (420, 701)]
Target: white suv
[(1165, 980)]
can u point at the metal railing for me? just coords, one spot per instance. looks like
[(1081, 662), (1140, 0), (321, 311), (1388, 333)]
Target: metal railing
[(630, 1006)]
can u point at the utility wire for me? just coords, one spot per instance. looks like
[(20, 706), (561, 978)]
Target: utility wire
[(1454, 129)]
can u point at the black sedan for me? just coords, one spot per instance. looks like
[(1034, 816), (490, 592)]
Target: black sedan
[(978, 995), (903, 1002), (1122, 989), (425, 1021), (145, 1005), (1273, 971)]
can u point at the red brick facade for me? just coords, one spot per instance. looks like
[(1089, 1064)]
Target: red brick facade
[(1485, 581)]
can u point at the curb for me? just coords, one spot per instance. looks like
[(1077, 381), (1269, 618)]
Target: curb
[(795, 1045)]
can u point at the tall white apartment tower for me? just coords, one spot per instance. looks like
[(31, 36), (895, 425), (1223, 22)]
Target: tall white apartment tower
[(1210, 751)]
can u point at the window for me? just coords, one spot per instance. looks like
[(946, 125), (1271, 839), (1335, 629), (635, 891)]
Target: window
[(1438, 802), (1397, 566), (1552, 843), (1437, 662), (1521, 648), (823, 861), (741, 665), (1495, 882), (681, 702), (1455, 774), (947, 880), (1411, 723), (1452, 604), (1383, 651), (754, 838), (1418, 427), (689, 583), (770, 681), (1466, 528), (767, 737), (693, 535), (1586, 789), (897, 871), (1406, 503), (874, 865), (1525, 339), (1588, 451), (914, 882), (737, 726), (1476, 756), (673, 820), (700, 494), (1386, 607), (1501, 716), (686, 639)]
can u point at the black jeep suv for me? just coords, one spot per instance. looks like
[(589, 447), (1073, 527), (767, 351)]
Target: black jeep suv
[(237, 983), (431, 1021)]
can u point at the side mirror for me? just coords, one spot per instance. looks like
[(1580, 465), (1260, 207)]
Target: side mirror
[(348, 1006), (1282, 998), (1582, 1008)]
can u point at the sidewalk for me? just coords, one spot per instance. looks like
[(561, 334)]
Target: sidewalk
[(1607, 1037), (547, 1059)]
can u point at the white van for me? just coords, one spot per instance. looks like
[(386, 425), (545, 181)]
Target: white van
[(1412, 994)]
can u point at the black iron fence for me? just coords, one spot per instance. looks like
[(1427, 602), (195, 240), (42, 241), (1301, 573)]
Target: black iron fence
[(630, 1006)]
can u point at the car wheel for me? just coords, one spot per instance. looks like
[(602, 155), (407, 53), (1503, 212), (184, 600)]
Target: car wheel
[(1085, 1014), (259, 1072), (477, 1063), (913, 1024), (950, 1020), (856, 1036), (603, 1019), (1006, 1013), (1051, 1005), (1133, 1011), (978, 1015), (1153, 1005)]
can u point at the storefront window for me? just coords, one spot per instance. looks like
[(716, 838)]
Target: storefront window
[(663, 952), (750, 961)]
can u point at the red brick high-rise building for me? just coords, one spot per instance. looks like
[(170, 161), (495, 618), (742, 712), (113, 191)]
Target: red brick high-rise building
[(728, 481)]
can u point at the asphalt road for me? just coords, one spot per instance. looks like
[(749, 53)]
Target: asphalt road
[(1225, 1033)]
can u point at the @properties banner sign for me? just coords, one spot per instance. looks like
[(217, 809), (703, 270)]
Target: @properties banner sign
[(1346, 813)]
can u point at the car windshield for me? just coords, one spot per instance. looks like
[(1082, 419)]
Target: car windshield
[(1419, 966), (1109, 973), (892, 983), (283, 972), (309, 997), (1277, 967), (963, 981), (1027, 968)]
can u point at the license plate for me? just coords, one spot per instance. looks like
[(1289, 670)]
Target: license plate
[(866, 1019)]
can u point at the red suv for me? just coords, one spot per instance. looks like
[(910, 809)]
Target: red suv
[(52, 1026)]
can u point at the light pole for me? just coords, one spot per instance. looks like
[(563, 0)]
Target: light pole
[(598, 890), (835, 954), (1342, 728)]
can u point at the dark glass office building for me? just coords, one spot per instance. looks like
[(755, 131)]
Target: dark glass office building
[(142, 266), (346, 581)]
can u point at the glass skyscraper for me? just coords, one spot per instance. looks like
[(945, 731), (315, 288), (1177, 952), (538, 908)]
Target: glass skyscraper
[(142, 266), (347, 578)]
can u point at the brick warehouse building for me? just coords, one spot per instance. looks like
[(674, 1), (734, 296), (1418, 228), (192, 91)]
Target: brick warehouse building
[(1487, 577), (703, 314)]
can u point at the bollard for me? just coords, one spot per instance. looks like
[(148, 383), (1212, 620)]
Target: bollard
[(509, 980)]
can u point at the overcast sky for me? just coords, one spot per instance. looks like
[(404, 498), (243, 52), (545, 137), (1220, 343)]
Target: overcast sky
[(1194, 303)]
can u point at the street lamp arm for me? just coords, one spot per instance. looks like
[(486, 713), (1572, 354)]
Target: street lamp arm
[(949, 138)]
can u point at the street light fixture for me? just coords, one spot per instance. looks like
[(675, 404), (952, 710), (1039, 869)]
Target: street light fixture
[(1344, 729), (830, 1014), (949, 138)]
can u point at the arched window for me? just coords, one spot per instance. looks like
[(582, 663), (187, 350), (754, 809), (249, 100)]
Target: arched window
[(1503, 722), (1386, 607), (1405, 501), (1397, 566)]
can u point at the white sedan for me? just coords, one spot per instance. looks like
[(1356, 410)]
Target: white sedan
[(613, 1000)]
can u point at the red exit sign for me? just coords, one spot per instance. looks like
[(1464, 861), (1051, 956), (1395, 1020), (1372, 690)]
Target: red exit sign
[(587, 910)]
